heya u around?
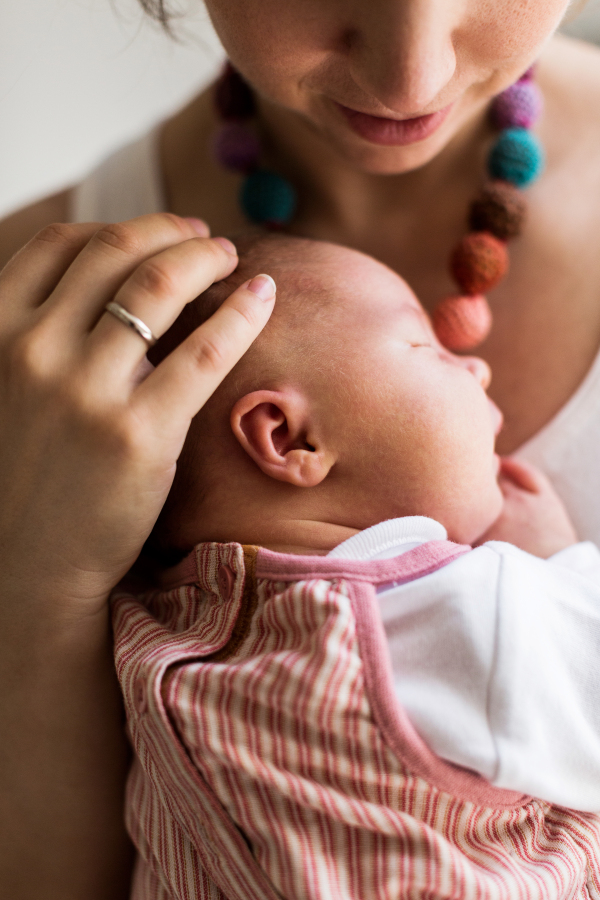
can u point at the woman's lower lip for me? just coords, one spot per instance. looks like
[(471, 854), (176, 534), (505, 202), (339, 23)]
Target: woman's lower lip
[(393, 132)]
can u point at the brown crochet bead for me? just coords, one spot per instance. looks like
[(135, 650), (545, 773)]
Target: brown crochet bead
[(462, 323), (479, 262), (499, 209)]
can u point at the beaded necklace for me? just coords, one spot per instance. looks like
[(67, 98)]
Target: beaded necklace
[(480, 260)]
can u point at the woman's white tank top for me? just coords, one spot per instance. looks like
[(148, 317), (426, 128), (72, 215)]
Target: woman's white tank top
[(567, 449)]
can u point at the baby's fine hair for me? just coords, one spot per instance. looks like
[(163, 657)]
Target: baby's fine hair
[(261, 251), (286, 345)]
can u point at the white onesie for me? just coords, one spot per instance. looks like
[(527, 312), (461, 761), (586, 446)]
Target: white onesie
[(496, 659)]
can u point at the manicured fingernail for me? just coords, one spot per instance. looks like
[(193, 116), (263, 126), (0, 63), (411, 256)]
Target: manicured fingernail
[(199, 227), (227, 245), (263, 286)]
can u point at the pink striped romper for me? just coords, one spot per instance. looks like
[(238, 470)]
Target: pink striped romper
[(273, 760)]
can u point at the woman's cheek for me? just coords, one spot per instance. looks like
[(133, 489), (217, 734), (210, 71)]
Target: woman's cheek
[(273, 44), (503, 33), (271, 41)]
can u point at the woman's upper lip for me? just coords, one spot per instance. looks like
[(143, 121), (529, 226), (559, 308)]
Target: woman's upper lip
[(393, 117)]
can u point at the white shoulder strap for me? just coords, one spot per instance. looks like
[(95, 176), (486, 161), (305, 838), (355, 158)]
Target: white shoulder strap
[(126, 185)]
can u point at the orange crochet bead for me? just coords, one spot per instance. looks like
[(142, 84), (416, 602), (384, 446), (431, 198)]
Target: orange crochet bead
[(462, 323), (479, 262)]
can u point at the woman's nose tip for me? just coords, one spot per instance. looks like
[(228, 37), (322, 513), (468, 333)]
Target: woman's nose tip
[(404, 56), (409, 90)]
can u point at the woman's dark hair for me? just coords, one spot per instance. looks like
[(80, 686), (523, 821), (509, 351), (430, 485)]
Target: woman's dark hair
[(158, 10)]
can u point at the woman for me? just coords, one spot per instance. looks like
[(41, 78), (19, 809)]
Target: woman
[(378, 115)]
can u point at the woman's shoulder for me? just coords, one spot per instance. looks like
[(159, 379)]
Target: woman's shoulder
[(569, 75), (18, 228), (569, 192)]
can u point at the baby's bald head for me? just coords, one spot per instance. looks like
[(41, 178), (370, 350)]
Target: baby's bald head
[(300, 347), (345, 409), (306, 318)]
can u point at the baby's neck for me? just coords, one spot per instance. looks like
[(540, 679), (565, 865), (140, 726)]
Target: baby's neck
[(306, 537), (265, 514)]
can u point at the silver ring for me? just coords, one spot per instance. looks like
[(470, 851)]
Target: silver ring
[(120, 313)]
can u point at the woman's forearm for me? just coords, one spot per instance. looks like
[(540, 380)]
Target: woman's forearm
[(90, 437), (63, 759)]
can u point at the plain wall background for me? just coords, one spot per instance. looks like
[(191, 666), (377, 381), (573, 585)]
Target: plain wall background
[(80, 77)]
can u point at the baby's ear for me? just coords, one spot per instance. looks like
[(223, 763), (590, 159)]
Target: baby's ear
[(276, 431)]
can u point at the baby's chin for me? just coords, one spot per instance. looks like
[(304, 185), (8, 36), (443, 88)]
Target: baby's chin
[(477, 519)]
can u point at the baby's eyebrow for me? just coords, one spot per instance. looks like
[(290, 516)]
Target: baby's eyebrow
[(423, 314), (418, 312)]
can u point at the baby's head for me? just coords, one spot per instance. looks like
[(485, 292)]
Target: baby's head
[(346, 411)]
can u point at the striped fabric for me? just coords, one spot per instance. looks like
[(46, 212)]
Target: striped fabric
[(272, 759)]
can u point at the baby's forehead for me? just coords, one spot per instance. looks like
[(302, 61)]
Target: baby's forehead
[(344, 279)]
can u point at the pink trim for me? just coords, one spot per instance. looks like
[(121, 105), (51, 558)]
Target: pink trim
[(291, 567), (395, 725), (410, 565), (363, 575)]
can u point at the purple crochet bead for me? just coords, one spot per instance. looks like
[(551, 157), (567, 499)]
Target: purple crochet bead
[(233, 98), (519, 106), (236, 147), (529, 75)]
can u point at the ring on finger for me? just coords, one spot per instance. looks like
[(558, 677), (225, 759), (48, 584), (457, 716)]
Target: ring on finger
[(120, 313)]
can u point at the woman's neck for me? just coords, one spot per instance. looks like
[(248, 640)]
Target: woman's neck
[(334, 194), (337, 201)]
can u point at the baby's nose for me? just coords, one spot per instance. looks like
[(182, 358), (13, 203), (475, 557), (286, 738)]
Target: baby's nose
[(479, 368)]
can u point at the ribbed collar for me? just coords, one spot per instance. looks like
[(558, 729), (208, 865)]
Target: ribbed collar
[(390, 538)]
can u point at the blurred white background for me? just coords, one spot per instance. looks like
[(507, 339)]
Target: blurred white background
[(80, 77)]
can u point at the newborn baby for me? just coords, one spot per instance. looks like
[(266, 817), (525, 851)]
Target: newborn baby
[(327, 693), (345, 412)]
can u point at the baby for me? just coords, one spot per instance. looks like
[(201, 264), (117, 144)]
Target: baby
[(327, 697)]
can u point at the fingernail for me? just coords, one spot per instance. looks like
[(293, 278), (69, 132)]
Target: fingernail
[(263, 286), (227, 245), (200, 227)]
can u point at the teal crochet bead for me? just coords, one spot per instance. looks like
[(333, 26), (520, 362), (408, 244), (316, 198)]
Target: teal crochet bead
[(517, 156), (267, 198)]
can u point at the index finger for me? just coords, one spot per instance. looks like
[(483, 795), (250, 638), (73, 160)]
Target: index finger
[(35, 270), (182, 383)]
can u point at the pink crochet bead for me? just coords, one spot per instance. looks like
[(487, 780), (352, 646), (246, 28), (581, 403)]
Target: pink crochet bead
[(518, 106), (236, 147), (462, 323)]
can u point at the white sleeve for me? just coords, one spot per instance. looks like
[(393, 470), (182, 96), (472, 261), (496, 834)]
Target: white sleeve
[(583, 558), (544, 697), (496, 660)]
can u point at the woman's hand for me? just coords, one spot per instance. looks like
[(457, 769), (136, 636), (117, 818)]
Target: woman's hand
[(533, 517), (89, 438)]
